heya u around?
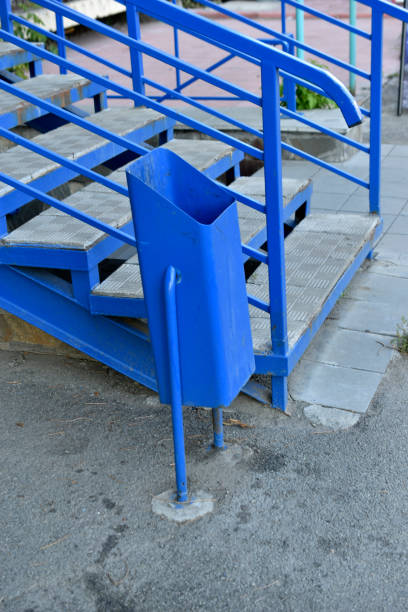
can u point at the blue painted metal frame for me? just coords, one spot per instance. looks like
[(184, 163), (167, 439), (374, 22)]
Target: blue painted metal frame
[(273, 63)]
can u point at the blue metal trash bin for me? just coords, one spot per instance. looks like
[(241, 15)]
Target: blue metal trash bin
[(188, 221)]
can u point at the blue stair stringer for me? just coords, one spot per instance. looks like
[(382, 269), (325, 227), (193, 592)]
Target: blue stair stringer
[(60, 305)]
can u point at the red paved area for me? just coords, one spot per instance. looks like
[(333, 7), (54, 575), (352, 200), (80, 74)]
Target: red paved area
[(318, 34)]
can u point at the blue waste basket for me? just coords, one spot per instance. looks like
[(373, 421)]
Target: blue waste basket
[(186, 220)]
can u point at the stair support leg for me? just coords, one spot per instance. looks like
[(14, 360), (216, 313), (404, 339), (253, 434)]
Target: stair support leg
[(166, 136), (3, 226), (83, 281), (100, 102), (279, 392)]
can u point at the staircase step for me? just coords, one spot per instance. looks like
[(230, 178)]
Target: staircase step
[(125, 282), (11, 55), (74, 142), (57, 230), (318, 252), (59, 89), (295, 193), (213, 159)]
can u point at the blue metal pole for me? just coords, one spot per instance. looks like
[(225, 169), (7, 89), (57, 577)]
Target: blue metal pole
[(218, 427), (376, 109), (5, 10), (170, 281), (300, 29), (283, 16), (59, 20), (136, 59), (274, 224), (353, 46), (176, 51), (289, 85)]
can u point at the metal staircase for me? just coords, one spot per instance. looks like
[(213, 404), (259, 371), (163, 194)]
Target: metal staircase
[(69, 265)]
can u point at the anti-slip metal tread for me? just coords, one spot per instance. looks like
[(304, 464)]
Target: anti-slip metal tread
[(7, 49), (201, 155), (72, 142), (318, 252), (254, 187), (54, 87), (56, 230)]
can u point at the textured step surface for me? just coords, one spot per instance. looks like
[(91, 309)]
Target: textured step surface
[(318, 252), (254, 187), (54, 229), (7, 49), (59, 89), (126, 282), (72, 142)]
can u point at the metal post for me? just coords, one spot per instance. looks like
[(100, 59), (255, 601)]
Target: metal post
[(218, 428), (170, 281), (136, 59), (300, 29), (353, 46), (176, 52), (283, 16), (59, 20), (376, 109), (289, 84), (5, 10), (403, 66), (274, 224)]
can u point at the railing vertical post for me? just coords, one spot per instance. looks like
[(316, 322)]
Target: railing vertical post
[(353, 46), (300, 29), (376, 109), (274, 224), (5, 10), (59, 21), (283, 16), (176, 51), (136, 60), (289, 85)]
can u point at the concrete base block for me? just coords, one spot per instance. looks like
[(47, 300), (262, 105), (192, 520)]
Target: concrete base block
[(331, 418), (165, 505)]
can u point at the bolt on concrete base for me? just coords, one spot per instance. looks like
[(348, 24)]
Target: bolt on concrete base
[(166, 505)]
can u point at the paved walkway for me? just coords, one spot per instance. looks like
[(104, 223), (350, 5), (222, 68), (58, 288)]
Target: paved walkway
[(319, 34)]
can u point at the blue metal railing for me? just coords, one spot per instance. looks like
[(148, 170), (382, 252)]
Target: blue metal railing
[(272, 64), (379, 8)]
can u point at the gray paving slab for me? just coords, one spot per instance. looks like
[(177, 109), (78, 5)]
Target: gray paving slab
[(378, 288), (366, 316), (334, 386), (327, 182), (393, 248), (330, 418), (352, 349), (333, 201), (400, 225), (360, 203), (386, 267)]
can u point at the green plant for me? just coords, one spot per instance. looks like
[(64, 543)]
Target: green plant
[(30, 35), (401, 340), (306, 99)]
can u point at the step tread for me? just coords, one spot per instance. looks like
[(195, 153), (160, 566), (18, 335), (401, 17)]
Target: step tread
[(251, 222), (318, 252), (72, 142), (199, 156), (55, 229), (7, 48), (254, 187), (43, 86)]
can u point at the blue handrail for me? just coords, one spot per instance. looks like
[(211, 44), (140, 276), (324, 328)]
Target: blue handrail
[(273, 64)]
